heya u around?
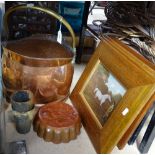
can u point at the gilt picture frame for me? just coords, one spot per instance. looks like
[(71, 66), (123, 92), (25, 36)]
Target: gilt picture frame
[(116, 85)]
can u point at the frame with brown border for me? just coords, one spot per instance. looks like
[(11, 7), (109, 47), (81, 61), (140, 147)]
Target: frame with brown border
[(136, 74)]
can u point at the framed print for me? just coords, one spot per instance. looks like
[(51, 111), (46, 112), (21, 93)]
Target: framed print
[(114, 88)]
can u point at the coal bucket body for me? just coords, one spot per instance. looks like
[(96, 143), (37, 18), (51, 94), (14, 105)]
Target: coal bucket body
[(40, 65)]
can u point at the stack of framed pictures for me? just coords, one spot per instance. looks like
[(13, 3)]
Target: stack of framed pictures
[(113, 94)]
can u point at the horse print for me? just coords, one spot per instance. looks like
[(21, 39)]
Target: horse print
[(101, 97)]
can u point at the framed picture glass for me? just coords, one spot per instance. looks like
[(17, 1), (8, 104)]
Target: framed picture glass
[(102, 92)]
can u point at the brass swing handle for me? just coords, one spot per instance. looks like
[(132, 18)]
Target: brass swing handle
[(48, 11)]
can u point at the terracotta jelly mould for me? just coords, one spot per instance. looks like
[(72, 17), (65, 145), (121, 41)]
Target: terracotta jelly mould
[(57, 122)]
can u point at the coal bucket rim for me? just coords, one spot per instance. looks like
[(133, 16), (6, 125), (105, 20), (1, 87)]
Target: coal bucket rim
[(39, 37)]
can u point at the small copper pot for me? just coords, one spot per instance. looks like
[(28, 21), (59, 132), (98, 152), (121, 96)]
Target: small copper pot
[(57, 122)]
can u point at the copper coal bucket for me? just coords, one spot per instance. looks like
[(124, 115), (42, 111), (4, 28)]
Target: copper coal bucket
[(38, 63)]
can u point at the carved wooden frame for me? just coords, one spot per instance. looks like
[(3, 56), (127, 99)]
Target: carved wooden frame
[(136, 74)]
